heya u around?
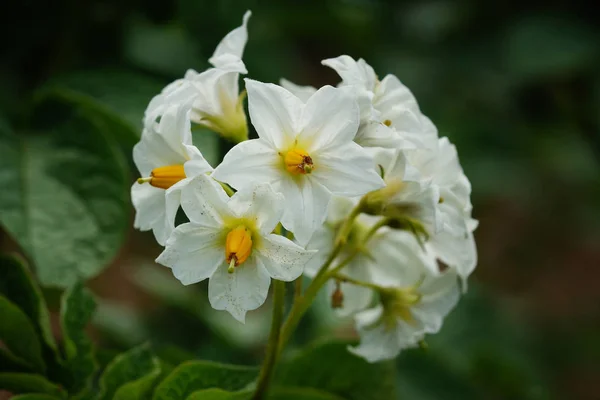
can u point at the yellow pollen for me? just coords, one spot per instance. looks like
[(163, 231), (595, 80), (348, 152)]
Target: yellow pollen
[(238, 246), (164, 177), (297, 161), (387, 122)]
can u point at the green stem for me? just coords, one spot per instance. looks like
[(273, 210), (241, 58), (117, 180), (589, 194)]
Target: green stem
[(347, 279), (303, 302), (268, 367)]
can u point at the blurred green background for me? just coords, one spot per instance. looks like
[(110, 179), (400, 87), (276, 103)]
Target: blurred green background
[(515, 84)]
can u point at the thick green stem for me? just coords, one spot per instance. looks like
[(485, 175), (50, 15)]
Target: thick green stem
[(272, 352)]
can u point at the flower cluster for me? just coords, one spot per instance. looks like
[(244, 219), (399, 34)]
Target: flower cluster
[(350, 185)]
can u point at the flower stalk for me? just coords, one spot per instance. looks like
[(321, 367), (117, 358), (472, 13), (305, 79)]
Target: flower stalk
[(272, 352)]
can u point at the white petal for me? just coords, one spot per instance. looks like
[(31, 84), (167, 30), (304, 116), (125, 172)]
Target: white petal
[(150, 211), (322, 241), (339, 208), (205, 202), (376, 134), (356, 298), (302, 92), (346, 170), (392, 93), (250, 162), (173, 201), (197, 164), (243, 290), (232, 45), (424, 198), (396, 166), (306, 203), (377, 343), (217, 93), (152, 151), (440, 294), (329, 120), (175, 127), (275, 113), (261, 204), (458, 252), (398, 260), (283, 259), (193, 253), (356, 73), (181, 91)]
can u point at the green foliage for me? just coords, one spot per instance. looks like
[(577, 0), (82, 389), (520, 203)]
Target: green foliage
[(16, 283), (77, 308), (331, 368), (481, 347), (12, 363), (68, 197), (275, 394), (28, 383), (119, 96), (35, 396), (191, 376), (300, 394), (219, 394), (130, 375), (18, 334)]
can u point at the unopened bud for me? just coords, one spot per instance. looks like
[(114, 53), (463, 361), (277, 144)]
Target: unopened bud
[(337, 297)]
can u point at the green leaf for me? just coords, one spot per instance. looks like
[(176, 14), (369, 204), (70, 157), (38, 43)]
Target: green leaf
[(274, 394), (34, 396), (68, 203), (300, 394), (118, 95), (11, 363), (195, 375), (28, 383), (219, 394), (331, 368), (130, 375), (18, 334), (140, 388), (17, 284), (77, 308)]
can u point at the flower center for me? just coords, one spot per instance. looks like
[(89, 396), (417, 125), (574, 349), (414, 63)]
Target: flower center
[(238, 246), (397, 303), (297, 161), (165, 177)]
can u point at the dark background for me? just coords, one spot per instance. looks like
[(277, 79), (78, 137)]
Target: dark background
[(516, 85)]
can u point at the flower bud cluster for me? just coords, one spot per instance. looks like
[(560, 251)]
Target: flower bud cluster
[(370, 197)]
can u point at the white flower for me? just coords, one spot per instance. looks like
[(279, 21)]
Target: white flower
[(301, 92), (214, 93), (166, 160), (407, 195), (454, 243), (413, 304), (390, 115), (305, 150), (229, 241), (386, 250)]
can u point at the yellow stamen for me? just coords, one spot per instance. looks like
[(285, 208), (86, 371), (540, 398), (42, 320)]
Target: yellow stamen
[(387, 122), (297, 161), (164, 177), (238, 246)]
